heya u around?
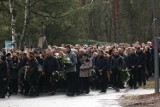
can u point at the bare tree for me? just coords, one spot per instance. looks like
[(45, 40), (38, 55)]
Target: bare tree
[(13, 13), (27, 13)]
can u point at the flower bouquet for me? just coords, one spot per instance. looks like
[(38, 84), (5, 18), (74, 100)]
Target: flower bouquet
[(125, 75), (28, 73), (65, 62)]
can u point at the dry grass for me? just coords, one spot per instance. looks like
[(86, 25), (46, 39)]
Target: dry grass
[(150, 100)]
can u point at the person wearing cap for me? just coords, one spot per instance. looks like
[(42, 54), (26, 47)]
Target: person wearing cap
[(71, 71), (101, 70)]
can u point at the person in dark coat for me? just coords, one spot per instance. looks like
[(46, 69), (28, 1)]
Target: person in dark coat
[(132, 65), (141, 67), (14, 67), (78, 65), (8, 57), (42, 79), (33, 77), (101, 69), (71, 71), (116, 69), (50, 65), (148, 62), (23, 62), (3, 76)]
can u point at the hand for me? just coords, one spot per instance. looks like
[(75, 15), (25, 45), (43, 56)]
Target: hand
[(43, 73), (100, 70), (139, 66), (110, 72), (4, 79)]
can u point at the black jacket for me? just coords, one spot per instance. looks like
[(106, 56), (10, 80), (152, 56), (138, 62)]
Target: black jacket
[(141, 59), (14, 69), (132, 61), (3, 70), (50, 65), (101, 64), (117, 63)]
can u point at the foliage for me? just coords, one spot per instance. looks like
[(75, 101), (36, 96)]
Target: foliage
[(68, 21)]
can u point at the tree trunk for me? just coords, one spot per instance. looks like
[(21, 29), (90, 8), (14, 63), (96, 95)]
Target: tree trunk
[(116, 20), (26, 23), (13, 22)]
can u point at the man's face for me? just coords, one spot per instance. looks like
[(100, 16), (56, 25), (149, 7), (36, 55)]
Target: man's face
[(116, 53), (48, 53), (101, 54), (68, 49)]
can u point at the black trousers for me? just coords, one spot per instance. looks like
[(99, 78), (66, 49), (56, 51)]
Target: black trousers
[(42, 83), (103, 80), (133, 78), (26, 86), (141, 76), (84, 84), (2, 88), (71, 77), (13, 84), (77, 83), (116, 78), (50, 86)]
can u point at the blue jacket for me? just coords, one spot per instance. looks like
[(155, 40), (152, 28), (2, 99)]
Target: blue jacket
[(101, 64)]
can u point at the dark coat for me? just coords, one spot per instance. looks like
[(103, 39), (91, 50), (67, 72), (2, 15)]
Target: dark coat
[(14, 69), (50, 65), (33, 66), (141, 59), (3, 70), (116, 63), (132, 61), (101, 64)]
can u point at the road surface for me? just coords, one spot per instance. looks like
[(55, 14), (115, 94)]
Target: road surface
[(94, 99)]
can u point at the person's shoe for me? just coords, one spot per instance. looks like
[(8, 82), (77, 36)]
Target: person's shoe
[(51, 93), (86, 92), (135, 87), (37, 94), (70, 94), (102, 91), (122, 87), (25, 94), (117, 90), (2, 96), (78, 93)]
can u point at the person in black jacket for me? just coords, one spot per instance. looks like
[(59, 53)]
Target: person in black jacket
[(116, 69), (50, 65), (23, 62), (14, 67), (101, 70), (34, 77), (3, 76), (141, 67), (132, 65)]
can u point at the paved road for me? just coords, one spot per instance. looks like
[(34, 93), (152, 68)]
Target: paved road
[(94, 99)]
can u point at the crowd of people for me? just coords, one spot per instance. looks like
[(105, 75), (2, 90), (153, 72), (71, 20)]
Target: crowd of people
[(75, 70)]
